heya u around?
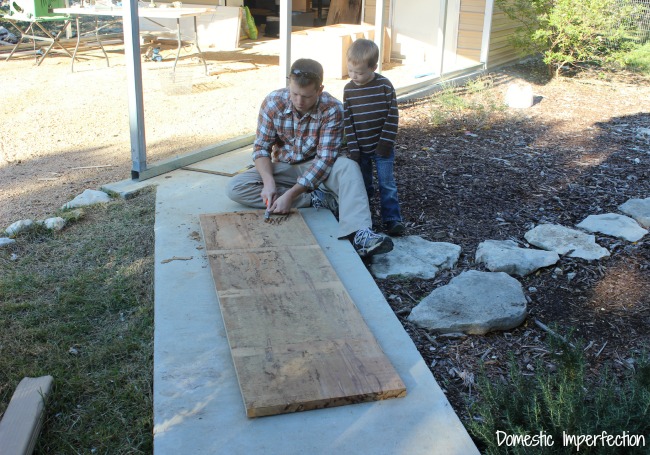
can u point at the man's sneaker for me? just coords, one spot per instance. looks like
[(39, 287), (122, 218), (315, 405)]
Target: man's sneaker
[(395, 228), (367, 243), (321, 199)]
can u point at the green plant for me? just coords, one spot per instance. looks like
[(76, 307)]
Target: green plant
[(468, 107), (636, 60), (555, 404), (570, 32)]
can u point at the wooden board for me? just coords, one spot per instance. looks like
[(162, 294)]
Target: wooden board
[(297, 340)]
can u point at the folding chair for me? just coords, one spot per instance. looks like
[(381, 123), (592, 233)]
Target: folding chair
[(36, 25)]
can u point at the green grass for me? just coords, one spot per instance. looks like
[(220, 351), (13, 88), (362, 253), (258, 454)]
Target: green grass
[(562, 400), (78, 305), (637, 60)]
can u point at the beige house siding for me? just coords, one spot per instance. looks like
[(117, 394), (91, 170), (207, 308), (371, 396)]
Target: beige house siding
[(501, 51), (470, 32), (368, 14)]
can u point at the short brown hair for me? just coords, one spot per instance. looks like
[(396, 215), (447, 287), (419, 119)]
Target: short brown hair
[(363, 51), (306, 71)]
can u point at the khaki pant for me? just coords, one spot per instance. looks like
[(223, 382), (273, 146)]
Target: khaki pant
[(344, 181)]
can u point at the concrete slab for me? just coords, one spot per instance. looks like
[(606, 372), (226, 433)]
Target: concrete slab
[(198, 407)]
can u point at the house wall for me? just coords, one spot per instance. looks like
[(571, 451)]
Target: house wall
[(501, 51), (470, 33)]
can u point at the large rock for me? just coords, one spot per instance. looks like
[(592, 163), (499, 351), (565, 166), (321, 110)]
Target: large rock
[(563, 240), (19, 226), (620, 226), (639, 209), (415, 257), (88, 197), (474, 303), (506, 256)]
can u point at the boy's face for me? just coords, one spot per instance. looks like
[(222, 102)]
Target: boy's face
[(360, 73), (304, 98)]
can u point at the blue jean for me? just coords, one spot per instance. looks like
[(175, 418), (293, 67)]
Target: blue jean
[(386, 180)]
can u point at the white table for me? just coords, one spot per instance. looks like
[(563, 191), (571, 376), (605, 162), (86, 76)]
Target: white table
[(147, 13)]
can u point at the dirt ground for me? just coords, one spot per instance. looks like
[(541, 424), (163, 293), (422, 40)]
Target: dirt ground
[(63, 132), (576, 152)]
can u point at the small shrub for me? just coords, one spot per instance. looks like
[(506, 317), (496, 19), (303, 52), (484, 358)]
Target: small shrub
[(570, 32), (564, 401), (468, 107)]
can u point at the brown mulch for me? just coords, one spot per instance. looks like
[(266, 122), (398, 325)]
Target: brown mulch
[(576, 152)]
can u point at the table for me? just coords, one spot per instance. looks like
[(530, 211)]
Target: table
[(146, 13), (36, 24)]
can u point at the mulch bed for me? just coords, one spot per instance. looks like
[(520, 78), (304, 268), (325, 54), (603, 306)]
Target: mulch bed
[(576, 152)]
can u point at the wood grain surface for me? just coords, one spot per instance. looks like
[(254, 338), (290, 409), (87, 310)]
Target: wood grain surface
[(297, 340)]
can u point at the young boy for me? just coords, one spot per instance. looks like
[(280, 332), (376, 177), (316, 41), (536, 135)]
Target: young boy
[(371, 118)]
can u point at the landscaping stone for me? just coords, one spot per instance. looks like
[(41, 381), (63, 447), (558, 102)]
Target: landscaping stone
[(88, 197), (415, 257), (19, 226), (639, 209), (4, 241), (564, 240), (54, 224), (620, 226), (506, 256), (474, 303)]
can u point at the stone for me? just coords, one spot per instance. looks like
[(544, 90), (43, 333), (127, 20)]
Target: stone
[(415, 257), (19, 226), (614, 224), (54, 224), (639, 209), (474, 303), (88, 197), (564, 240), (4, 241), (519, 96), (506, 256)]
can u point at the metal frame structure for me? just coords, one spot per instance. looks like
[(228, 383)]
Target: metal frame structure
[(140, 170)]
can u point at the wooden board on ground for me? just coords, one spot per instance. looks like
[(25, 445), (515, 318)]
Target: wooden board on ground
[(297, 340)]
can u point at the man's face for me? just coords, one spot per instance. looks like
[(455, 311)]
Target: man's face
[(304, 98), (360, 73)]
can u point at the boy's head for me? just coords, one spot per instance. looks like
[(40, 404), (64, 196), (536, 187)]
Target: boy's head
[(305, 84), (362, 56)]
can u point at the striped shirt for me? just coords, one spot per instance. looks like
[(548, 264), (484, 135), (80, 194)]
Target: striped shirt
[(371, 117), (283, 135)]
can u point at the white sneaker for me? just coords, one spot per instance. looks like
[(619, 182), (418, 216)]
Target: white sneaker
[(368, 243), (324, 200)]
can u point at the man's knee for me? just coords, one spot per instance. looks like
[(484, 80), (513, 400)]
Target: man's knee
[(234, 189)]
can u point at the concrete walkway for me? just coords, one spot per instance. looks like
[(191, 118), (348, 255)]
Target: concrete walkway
[(198, 407)]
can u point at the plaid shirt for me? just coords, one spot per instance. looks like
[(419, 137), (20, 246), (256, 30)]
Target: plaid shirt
[(285, 136)]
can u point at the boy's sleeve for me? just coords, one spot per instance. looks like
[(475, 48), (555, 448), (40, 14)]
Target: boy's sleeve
[(389, 132), (350, 132)]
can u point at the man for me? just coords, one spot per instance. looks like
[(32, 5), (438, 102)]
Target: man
[(297, 160)]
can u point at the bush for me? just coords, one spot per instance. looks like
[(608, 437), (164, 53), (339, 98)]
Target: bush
[(552, 403), (571, 32)]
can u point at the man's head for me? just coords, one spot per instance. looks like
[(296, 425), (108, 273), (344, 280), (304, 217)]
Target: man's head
[(305, 84), (363, 56)]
